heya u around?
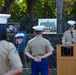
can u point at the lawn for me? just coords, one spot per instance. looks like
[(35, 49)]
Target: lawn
[(53, 72)]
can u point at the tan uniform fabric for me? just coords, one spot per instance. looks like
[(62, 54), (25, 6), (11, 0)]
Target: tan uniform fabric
[(38, 46), (67, 36), (8, 57)]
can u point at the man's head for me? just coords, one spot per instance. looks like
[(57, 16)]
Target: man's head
[(19, 35), (38, 29), (19, 38), (71, 24), (3, 21)]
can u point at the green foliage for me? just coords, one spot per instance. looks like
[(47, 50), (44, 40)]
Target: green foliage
[(1, 2), (18, 11), (73, 11), (44, 9), (69, 9)]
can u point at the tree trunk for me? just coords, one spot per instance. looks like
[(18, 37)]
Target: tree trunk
[(7, 6), (59, 15), (30, 8)]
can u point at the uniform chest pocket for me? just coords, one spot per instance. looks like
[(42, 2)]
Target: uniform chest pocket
[(68, 36), (74, 35)]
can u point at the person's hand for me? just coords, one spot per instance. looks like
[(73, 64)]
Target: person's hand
[(72, 40), (37, 59), (63, 42)]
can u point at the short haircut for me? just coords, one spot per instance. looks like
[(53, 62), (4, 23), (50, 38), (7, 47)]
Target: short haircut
[(3, 32), (38, 32)]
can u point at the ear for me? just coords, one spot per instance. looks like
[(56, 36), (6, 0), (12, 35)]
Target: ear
[(34, 32)]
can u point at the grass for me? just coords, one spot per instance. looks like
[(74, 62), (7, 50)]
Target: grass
[(52, 72)]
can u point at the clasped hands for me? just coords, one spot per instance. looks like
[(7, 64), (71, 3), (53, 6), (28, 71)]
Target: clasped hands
[(37, 59)]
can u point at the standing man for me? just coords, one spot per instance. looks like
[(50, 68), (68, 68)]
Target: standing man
[(69, 36), (38, 49)]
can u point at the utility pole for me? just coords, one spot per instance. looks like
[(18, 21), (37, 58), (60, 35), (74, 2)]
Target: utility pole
[(0, 9), (59, 15)]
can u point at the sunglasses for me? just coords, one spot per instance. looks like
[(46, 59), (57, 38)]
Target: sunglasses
[(71, 26)]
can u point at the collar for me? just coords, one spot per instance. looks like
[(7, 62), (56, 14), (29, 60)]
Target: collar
[(72, 30), (38, 36)]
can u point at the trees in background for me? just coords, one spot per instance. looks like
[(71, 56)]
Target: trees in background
[(19, 10), (35, 9), (45, 9), (6, 6), (30, 8), (69, 9)]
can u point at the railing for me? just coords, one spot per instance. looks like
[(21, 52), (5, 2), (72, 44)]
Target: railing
[(53, 38)]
